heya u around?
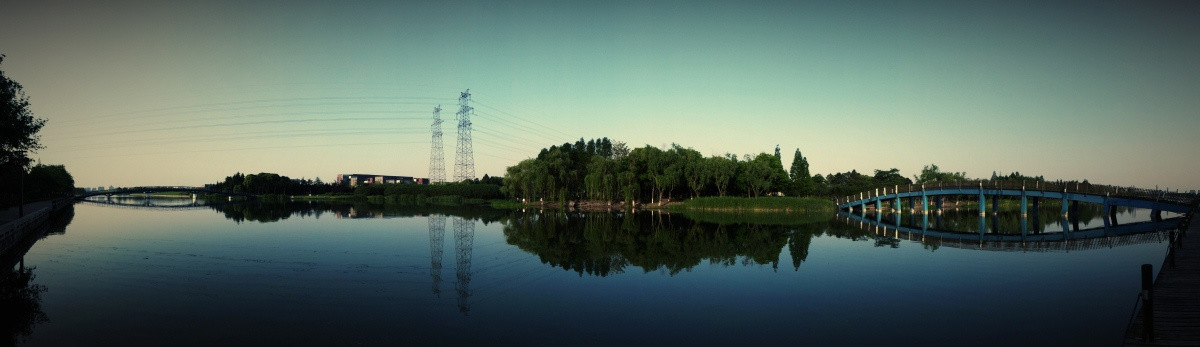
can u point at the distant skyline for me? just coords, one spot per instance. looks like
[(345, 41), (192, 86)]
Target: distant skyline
[(186, 93)]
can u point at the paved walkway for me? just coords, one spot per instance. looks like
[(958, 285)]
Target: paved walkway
[(12, 213), (1176, 299)]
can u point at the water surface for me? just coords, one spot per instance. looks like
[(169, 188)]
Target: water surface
[(308, 273)]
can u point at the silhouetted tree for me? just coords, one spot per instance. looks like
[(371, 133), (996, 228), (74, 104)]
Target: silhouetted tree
[(18, 137)]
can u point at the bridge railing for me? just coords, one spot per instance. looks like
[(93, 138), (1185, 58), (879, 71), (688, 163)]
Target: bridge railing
[(1071, 187)]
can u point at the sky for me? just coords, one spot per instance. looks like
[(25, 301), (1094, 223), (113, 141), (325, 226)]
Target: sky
[(188, 92)]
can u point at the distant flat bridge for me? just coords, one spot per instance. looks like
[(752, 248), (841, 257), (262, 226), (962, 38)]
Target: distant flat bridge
[(160, 189)]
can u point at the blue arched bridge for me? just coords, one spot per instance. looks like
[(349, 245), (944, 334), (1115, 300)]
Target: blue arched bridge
[(159, 189), (1070, 193)]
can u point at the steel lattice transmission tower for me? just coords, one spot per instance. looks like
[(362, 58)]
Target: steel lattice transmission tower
[(464, 238), (464, 160), (437, 232), (437, 165)]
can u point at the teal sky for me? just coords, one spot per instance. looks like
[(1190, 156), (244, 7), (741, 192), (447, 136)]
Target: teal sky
[(185, 93)]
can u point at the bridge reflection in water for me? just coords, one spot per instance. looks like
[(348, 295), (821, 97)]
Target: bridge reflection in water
[(158, 203), (1030, 238)]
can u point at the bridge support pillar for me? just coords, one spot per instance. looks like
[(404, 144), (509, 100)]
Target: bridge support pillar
[(1112, 214), (1037, 204), (982, 203), (995, 203), (897, 206), (940, 200), (1024, 205), (1156, 215), (1065, 204), (924, 203)]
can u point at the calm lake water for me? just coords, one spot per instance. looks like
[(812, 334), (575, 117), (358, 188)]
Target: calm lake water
[(306, 274)]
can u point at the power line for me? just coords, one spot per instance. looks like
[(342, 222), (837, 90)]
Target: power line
[(247, 123), (222, 106), (523, 119), (526, 127), (159, 141), (513, 149), (509, 139), (257, 148)]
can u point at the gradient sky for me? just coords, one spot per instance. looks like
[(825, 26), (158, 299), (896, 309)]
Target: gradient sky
[(185, 93)]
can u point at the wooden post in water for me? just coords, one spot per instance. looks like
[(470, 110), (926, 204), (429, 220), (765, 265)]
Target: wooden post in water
[(1148, 302)]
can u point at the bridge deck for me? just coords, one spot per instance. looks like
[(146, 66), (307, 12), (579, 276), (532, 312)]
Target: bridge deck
[(1176, 299)]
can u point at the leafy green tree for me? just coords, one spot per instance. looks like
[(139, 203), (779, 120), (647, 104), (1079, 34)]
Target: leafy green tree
[(758, 174), (49, 181), (18, 126), (802, 180), (931, 173), (820, 185), (600, 180), (779, 176), (889, 178), (619, 150), (723, 170), (665, 170), (695, 173), (1017, 176), (847, 183)]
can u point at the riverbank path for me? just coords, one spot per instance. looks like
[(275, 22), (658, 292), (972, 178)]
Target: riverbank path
[(12, 213)]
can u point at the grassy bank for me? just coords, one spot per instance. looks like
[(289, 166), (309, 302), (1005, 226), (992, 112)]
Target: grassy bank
[(768, 218), (760, 204)]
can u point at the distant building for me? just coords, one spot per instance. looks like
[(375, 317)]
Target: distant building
[(354, 180)]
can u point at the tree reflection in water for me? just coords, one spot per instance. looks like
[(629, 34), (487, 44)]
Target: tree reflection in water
[(20, 297), (20, 304), (601, 244)]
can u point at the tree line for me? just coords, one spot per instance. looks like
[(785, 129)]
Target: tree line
[(272, 183), (266, 183), (603, 170), (600, 169)]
